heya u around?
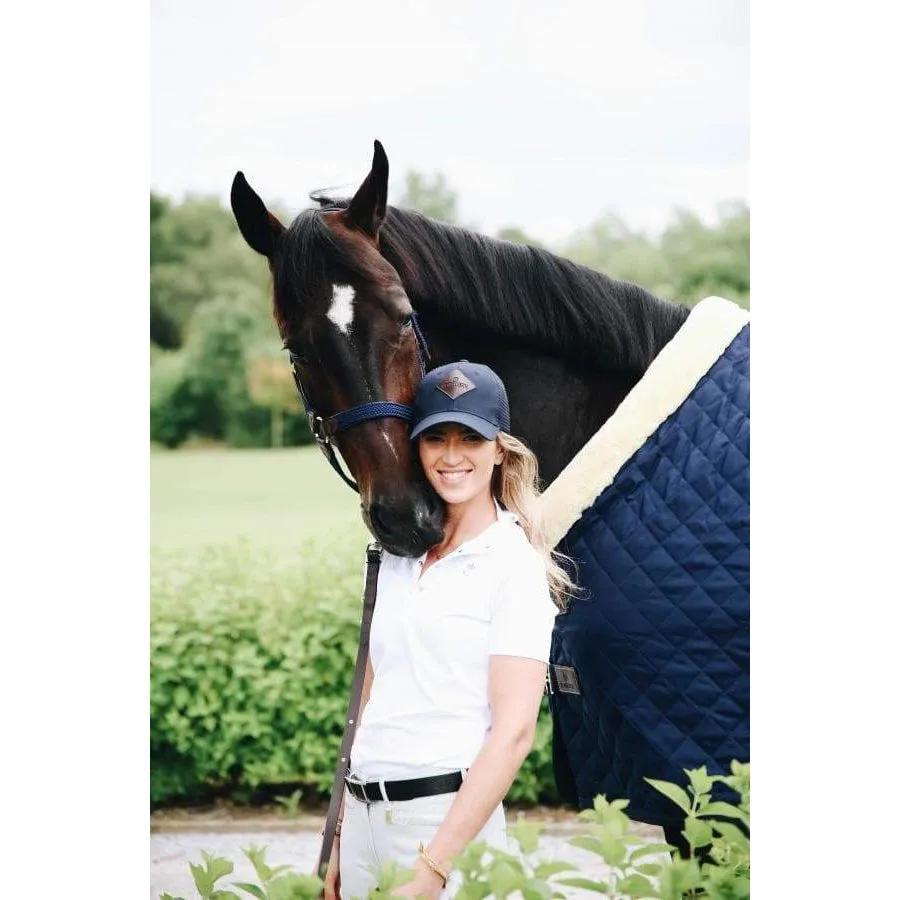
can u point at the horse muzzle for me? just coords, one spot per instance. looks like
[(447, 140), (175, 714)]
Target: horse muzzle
[(406, 526)]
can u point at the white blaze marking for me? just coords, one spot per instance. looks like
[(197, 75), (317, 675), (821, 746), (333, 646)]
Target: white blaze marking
[(341, 310), (390, 444)]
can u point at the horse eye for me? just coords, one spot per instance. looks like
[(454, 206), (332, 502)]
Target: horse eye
[(406, 322)]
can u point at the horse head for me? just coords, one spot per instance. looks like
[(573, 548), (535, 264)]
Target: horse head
[(344, 316)]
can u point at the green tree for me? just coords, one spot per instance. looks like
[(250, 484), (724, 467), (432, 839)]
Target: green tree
[(430, 196), (610, 246), (710, 259), (196, 254), (517, 236), (200, 391), (688, 262), (210, 311), (174, 414), (219, 335), (271, 385)]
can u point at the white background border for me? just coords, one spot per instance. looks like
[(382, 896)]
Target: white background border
[(75, 494)]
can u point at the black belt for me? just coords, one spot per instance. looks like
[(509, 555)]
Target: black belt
[(371, 791)]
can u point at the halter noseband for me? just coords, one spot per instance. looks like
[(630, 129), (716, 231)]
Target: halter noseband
[(325, 430)]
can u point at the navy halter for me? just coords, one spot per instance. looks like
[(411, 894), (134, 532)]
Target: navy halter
[(325, 430)]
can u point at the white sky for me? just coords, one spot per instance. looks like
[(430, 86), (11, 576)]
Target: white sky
[(541, 115)]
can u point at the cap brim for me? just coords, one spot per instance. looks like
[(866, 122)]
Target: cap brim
[(476, 423)]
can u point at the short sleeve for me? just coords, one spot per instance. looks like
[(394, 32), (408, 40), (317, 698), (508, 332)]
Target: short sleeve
[(523, 612)]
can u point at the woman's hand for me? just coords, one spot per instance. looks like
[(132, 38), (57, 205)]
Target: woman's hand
[(333, 872), (426, 883)]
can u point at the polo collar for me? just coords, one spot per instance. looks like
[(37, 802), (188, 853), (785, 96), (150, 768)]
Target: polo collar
[(484, 541), (504, 514)]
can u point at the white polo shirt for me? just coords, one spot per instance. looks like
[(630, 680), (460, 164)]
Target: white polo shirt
[(431, 637)]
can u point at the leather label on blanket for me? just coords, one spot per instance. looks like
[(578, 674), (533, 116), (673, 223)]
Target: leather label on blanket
[(566, 680)]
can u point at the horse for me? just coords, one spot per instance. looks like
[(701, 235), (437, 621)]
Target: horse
[(366, 296)]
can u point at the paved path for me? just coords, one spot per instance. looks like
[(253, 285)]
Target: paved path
[(174, 845)]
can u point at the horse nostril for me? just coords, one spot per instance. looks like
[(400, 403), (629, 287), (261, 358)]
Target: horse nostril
[(377, 515), (429, 521), (406, 525)]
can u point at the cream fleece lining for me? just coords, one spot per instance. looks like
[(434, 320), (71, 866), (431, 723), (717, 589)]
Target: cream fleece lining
[(711, 326)]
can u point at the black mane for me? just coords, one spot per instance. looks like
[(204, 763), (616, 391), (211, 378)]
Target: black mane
[(525, 294)]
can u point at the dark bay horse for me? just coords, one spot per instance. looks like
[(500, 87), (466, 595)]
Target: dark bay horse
[(366, 296), (569, 342)]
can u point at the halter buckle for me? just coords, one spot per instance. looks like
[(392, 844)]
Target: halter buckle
[(317, 428)]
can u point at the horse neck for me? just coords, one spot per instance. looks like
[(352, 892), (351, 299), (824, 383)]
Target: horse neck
[(529, 296), (558, 396)]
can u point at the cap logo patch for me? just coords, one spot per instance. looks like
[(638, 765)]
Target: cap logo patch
[(455, 385)]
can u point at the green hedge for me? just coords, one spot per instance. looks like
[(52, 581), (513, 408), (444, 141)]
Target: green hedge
[(251, 659)]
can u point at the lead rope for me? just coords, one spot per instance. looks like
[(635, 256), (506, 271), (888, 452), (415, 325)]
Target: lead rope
[(373, 562)]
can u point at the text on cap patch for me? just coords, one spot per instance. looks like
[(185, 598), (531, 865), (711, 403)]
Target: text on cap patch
[(455, 385)]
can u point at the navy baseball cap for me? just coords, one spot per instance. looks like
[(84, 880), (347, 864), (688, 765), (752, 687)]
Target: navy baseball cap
[(467, 393)]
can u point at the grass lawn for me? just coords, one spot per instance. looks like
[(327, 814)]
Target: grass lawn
[(277, 500)]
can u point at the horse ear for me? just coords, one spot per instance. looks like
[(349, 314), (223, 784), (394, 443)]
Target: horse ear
[(259, 227), (367, 208)]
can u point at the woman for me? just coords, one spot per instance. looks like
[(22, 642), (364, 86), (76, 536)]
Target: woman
[(459, 647)]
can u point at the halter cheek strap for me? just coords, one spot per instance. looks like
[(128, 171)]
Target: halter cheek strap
[(325, 430)]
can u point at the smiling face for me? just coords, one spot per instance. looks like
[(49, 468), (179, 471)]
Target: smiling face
[(458, 462)]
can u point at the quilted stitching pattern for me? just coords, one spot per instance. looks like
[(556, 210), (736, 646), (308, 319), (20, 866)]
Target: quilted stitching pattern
[(661, 639)]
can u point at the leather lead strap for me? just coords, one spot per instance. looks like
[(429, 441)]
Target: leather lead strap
[(373, 562)]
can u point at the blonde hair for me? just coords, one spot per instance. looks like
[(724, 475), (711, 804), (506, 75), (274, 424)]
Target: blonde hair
[(517, 486)]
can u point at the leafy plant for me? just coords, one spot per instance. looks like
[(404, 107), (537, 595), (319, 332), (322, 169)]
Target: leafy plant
[(291, 804), (635, 870), (279, 883)]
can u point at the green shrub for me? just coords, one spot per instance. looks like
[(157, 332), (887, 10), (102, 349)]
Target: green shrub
[(251, 662), (250, 670)]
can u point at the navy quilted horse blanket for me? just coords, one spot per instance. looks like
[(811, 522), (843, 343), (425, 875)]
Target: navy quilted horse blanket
[(650, 666)]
